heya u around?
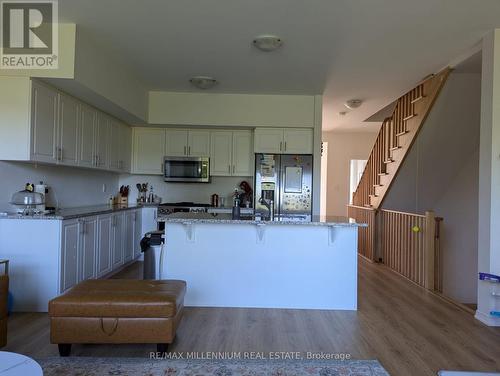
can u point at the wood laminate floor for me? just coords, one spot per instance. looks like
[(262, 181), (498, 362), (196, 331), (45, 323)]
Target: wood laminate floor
[(408, 329)]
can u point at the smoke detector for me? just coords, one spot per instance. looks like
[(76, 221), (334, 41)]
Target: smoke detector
[(267, 43), (351, 104), (203, 82)]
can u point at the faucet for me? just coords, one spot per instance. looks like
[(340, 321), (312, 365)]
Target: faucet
[(269, 204)]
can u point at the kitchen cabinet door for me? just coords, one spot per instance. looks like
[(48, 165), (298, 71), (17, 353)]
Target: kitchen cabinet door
[(88, 248), (118, 239), (199, 143), (69, 257), (116, 144), (176, 143), (67, 151), (298, 141), (102, 140), (148, 151), (243, 157), (104, 245), (129, 226), (86, 154), (126, 148), (137, 233), (44, 123), (149, 218), (220, 155), (268, 140)]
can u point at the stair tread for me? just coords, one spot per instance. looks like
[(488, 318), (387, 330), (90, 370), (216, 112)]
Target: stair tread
[(389, 161), (395, 148), (409, 117), (415, 100), (401, 133)]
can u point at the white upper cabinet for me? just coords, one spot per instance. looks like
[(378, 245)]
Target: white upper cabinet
[(243, 157), (67, 150), (86, 154), (60, 129), (126, 148), (184, 143), (44, 131), (148, 151), (283, 141), (176, 142), (298, 141), (199, 143), (102, 142), (231, 153), (268, 140), (221, 153)]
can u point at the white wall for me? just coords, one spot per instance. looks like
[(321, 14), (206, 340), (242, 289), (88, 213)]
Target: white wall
[(489, 176), (441, 174), (248, 110), (342, 147), (176, 192), (70, 187)]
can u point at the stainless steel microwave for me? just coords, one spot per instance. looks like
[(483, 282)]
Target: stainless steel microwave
[(186, 169)]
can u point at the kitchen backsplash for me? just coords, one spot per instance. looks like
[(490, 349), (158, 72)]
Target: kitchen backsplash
[(69, 187), (73, 187), (176, 192)]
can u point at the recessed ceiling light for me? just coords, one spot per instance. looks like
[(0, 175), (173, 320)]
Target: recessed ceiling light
[(267, 43), (203, 82), (351, 104)]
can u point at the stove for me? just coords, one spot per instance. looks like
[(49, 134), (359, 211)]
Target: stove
[(182, 207)]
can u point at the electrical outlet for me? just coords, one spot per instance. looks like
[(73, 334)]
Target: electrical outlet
[(104, 188)]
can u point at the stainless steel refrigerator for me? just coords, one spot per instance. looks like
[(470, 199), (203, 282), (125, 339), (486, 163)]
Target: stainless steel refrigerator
[(286, 179)]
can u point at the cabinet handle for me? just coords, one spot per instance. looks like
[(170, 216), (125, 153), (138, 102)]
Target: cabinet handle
[(60, 154), (234, 169), (185, 150), (189, 150), (229, 168), (281, 145), (285, 145)]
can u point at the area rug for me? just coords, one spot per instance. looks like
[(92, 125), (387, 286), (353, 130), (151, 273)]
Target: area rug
[(81, 366)]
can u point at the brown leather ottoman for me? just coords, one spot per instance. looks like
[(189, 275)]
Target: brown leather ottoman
[(117, 311)]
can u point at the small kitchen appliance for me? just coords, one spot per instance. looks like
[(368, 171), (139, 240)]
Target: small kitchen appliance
[(186, 169)]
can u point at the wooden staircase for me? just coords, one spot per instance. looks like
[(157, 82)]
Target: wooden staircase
[(395, 138)]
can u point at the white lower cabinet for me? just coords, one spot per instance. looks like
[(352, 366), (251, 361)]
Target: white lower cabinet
[(118, 241), (92, 247), (88, 236), (129, 227), (137, 233), (70, 238), (104, 245)]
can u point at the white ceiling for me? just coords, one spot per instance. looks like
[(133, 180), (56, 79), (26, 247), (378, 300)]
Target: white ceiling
[(374, 50)]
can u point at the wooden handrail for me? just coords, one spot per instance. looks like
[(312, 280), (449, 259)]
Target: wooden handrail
[(363, 207), (402, 213)]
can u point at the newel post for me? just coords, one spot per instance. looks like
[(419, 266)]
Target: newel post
[(429, 249)]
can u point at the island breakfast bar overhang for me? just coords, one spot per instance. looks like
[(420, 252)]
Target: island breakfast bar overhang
[(256, 264)]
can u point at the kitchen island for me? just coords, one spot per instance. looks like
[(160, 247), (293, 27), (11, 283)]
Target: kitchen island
[(252, 263)]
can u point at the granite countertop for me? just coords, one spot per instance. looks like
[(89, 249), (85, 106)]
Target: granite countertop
[(71, 213), (188, 218)]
